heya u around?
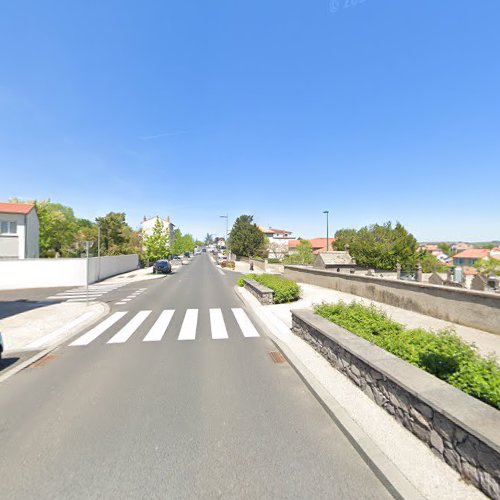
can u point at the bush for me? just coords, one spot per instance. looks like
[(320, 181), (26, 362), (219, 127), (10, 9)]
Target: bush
[(284, 290), (229, 264), (442, 353), (274, 261)]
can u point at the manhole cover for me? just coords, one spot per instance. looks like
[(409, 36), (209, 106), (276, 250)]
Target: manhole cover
[(277, 357)]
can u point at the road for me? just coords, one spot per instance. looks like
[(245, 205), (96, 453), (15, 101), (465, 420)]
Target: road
[(182, 415)]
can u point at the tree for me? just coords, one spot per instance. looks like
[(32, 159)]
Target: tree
[(488, 266), (430, 263), (379, 246), (157, 245), (209, 239), (303, 254), (246, 239), (115, 233)]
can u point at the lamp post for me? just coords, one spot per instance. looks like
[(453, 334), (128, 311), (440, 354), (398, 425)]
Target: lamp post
[(326, 212), (227, 223)]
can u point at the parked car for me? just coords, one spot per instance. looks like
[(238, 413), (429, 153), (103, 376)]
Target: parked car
[(162, 266), (187, 254), (175, 259), (1, 346), (185, 260)]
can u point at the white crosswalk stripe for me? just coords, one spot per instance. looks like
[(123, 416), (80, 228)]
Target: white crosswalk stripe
[(244, 323), (160, 327), (217, 324), (99, 329), (128, 330), (79, 294), (188, 330)]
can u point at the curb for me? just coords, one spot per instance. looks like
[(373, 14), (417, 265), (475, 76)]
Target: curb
[(385, 470), (48, 350)]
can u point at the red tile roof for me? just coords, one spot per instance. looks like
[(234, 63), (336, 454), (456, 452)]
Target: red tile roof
[(16, 208), (318, 244), (473, 253)]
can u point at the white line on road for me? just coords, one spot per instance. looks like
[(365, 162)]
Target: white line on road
[(160, 327), (188, 328), (91, 335), (244, 322), (119, 303), (217, 324), (220, 271), (126, 332), (60, 332)]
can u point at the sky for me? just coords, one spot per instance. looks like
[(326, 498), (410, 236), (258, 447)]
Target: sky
[(375, 110)]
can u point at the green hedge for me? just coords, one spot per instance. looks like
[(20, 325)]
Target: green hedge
[(284, 290), (442, 353)]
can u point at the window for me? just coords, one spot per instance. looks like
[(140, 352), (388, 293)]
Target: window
[(8, 227)]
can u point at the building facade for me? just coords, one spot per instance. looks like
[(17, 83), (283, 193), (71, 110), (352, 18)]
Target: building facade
[(19, 231)]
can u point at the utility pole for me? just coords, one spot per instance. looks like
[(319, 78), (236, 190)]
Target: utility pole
[(326, 212), (87, 247), (227, 225)]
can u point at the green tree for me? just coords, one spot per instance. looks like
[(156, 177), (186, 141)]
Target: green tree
[(379, 246), (115, 233), (430, 263), (58, 229), (208, 239), (157, 245), (176, 245), (246, 239), (445, 248), (303, 254), (488, 266)]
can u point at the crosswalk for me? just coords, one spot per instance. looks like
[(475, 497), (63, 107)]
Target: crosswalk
[(131, 323), (79, 294)]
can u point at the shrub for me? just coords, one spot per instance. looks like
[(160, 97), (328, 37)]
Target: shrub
[(285, 290), (442, 353), (274, 261), (230, 264)]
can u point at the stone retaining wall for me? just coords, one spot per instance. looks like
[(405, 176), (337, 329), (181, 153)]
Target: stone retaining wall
[(461, 430), (466, 307), (263, 294)]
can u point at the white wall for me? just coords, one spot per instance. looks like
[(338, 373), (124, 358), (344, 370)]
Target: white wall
[(46, 273), (20, 236)]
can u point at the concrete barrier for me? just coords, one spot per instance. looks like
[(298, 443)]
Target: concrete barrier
[(47, 273), (263, 294), (466, 307), (461, 430)]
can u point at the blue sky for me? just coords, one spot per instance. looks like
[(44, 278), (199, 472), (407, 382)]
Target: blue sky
[(384, 110)]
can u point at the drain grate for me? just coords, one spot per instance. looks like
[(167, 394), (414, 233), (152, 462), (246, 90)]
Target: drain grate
[(277, 357)]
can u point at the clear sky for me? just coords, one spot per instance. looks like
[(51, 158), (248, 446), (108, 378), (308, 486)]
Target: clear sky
[(381, 110)]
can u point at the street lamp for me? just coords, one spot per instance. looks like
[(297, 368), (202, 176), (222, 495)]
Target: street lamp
[(326, 212), (227, 223)]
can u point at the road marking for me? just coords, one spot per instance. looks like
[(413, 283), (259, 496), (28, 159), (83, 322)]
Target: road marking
[(64, 330), (160, 327), (126, 332), (119, 303), (127, 300), (244, 323), (217, 324), (188, 328), (74, 296), (91, 335), (220, 271)]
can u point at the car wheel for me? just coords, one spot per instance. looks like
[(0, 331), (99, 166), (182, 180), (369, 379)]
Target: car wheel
[(154, 270)]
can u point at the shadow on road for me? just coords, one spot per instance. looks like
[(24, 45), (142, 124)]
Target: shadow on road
[(7, 362)]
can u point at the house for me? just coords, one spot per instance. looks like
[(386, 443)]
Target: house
[(19, 231), (470, 256), (148, 224), (318, 244), (495, 253), (460, 247), (277, 241)]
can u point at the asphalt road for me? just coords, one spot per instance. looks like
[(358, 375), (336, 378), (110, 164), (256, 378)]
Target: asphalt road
[(201, 417)]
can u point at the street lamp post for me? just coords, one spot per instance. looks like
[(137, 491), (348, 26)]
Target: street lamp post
[(327, 243), (227, 224)]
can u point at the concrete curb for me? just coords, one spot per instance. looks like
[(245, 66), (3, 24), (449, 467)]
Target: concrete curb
[(386, 471), (41, 354)]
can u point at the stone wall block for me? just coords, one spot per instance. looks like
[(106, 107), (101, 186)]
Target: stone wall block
[(437, 442), (420, 419), (444, 427), (489, 485), (453, 458)]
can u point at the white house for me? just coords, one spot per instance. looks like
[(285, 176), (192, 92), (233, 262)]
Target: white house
[(148, 224), (277, 241), (19, 231)]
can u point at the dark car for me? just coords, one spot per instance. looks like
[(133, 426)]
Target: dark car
[(162, 266)]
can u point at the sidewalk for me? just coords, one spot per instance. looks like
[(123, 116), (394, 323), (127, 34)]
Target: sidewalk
[(400, 458), (486, 342), (49, 325)]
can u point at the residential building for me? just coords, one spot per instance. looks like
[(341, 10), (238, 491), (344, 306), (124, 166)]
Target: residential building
[(318, 245), (276, 233), (148, 224), (470, 256), (19, 231), (460, 247), (278, 242)]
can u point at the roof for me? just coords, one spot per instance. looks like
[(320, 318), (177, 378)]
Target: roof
[(16, 208), (272, 230), (473, 253), (318, 244)]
